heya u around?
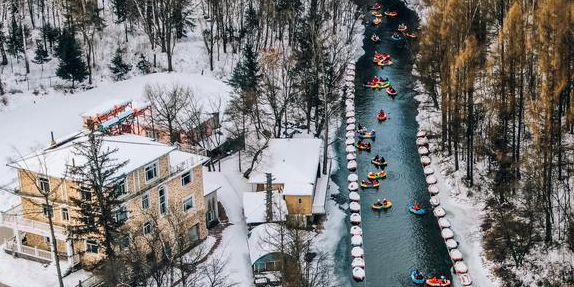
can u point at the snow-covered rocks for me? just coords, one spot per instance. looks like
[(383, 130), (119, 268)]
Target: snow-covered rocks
[(352, 165), (431, 179), (455, 255), (357, 251), (356, 230), (447, 233), (443, 223), (434, 201), (355, 218), (358, 262), (357, 240), (355, 207), (433, 189), (354, 196), (352, 177), (353, 186), (439, 212)]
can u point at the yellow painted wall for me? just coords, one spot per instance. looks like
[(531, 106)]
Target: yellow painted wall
[(294, 207)]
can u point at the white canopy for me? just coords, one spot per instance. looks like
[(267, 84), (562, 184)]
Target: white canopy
[(354, 206), (434, 201), (355, 218), (356, 230), (451, 243), (356, 240), (428, 170), (357, 251), (358, 262), (460, 267), (433, 189), (447, 233), (425, 160), (455, 255), (354, 196), (443, 223), (439, 212), (431, 179)]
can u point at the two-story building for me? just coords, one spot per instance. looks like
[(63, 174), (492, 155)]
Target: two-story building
[(157, 179), (295, 168)]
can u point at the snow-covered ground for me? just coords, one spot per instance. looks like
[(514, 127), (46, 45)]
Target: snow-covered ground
[(27, 122), (19, 272), (465, 213)]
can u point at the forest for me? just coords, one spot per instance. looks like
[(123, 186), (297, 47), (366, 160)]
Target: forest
[(501, 74), (285, 61)]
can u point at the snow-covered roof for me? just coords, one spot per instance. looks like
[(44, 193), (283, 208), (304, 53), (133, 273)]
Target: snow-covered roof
[(261, 241), (136, 150), (105, 107), (180, 160), (292, 162), (210, 182), (255, 207)]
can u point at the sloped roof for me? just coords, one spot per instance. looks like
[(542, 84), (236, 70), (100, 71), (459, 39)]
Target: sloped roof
[(136, 150), (255, 207), (292, 162)]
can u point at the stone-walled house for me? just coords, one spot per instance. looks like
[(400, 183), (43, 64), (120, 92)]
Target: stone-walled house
[(157, 179)]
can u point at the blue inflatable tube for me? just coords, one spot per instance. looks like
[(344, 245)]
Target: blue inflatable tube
[(415, 280), (421, 211)]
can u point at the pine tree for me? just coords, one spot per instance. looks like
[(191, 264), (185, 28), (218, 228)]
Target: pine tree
[(246, 75), (118, 67), (144, 65), (100, 212), (14, 41), (41, 55), (2, 49), (72, 66), (120, 9)]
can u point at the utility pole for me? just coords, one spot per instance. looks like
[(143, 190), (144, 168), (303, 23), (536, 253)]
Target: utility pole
[(269, 198)]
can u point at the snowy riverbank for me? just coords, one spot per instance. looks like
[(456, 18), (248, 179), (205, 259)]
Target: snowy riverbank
[(463, 211)]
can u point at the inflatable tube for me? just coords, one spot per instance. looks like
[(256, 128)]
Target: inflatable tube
[(419, 280), (425, 160), (385, 205), (356, 240), (358, 262), (356, 230), (357, 252), (402, 27), (350, 149), (434, 201), (354, 196), (355, 207), (358, 274), (447, 233), (351, 156), (352, 177), (420, 211), (379, 164), (439, 212), (381, 117), (376, 21), (377, 175), (451, 244), (436, 282), (460, 267), (465, 279), (352, 165), (422, 150), (443, 223), (367, 135), (421, 134), (355, 218), (364, 147), (428, 170), (422, 141), (391, 13), (391, 92), (411, 35), (370, 184), (433, 190), (353, 186), (377, 6), (351, 120), (396, 37), (455, 255), (431, 179)]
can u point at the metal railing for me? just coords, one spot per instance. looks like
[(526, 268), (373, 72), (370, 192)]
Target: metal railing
[(13, 218)]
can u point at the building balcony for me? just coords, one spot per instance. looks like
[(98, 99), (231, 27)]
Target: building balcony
[(13, 218)]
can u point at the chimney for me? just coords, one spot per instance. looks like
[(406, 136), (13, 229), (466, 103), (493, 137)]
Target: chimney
[(53, 142)]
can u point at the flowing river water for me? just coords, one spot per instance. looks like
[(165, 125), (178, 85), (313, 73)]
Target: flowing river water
[(395, 241)]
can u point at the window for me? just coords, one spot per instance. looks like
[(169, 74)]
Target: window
[(47, 239), (162, 195), (147, 227), (88, 220), (47, 210), (151, 172), (86, 193), (121, 214), (44, 184), (91, 246), (152, 134), (65, 214), (193, 234), (121, 188), (145, 201), (185, 178), (125, 241), (300, 200), (188, 204)]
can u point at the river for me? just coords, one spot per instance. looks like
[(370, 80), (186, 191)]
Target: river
[(395, 241)]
